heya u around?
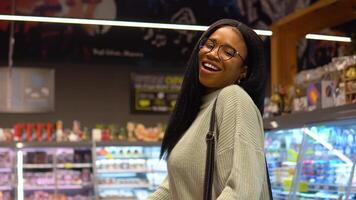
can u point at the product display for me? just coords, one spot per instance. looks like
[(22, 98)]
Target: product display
[(7, 174), (51, 171), (128, 172), (48, 196), (325, 163), (132, 132), (57, 173), (49, 132), (330, 85)]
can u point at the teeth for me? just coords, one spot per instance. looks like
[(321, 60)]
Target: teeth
[(208, 65)]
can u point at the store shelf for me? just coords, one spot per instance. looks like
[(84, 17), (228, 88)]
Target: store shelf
[(78, 144), (7, 144), (44, 187), (118, 198), (4, 170), (74, 187), (38, 166), (122, 144), (57, 144), (74, 165), (60, 187), (307, 195), (122, 158), (122, 171), (124, 186), (5, 187), (318, 116)]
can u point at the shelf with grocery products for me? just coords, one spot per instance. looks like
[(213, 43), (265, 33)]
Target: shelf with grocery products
[(319, 116), (89, 144), (74, 165), (7, 173), (38, 166), (58, 187), (123, 171), (312, 157), (129, 168), (56, 144), (53, 135), (54, 160), (315, 93), (127, 143), (6, 187), (5, 169), (319, 195), (49, 166), (121, 186)]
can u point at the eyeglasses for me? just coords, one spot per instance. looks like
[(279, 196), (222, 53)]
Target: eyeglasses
[(225, 52)]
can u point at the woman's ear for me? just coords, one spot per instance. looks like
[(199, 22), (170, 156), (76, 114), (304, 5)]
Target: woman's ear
[(243, 72)]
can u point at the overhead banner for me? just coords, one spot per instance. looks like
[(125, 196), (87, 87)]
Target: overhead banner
[(154, 93), (78, 43)]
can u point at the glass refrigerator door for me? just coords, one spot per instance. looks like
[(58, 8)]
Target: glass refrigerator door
[(128, 172), (7, 174), (282, 149), (326, 162)]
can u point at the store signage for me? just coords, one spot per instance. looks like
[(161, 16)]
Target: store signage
[(154, 92), (26, 90)]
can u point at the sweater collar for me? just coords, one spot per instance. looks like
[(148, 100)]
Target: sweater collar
[(208, 98)]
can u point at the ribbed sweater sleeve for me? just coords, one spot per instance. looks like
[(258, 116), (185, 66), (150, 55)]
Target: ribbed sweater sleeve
[(162, 192), (240, 155)]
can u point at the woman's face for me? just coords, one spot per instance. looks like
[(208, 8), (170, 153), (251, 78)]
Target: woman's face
[(221, 66)]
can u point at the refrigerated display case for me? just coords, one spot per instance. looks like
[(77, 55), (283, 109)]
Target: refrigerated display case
[(127, 171), (56, 171), (7, 173), (85, 170), (312, 155)]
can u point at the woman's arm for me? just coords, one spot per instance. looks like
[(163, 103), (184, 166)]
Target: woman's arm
[(240, 167), (162, 192)]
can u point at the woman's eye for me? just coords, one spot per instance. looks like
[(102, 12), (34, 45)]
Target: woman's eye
[(229, 52), (209, 45)]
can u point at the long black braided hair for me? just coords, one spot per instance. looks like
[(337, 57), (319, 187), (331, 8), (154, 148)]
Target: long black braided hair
[(190, 98)]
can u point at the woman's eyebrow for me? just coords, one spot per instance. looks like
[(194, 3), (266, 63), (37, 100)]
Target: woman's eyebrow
[(225, 44)]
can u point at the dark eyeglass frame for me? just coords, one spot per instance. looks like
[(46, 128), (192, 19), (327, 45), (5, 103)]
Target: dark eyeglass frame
[(203, 42)]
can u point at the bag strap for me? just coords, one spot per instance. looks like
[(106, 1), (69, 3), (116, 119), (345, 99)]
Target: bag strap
[(210, 158)]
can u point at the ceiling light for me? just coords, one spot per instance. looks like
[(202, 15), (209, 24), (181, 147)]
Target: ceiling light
[(146, 25), (328, 37)]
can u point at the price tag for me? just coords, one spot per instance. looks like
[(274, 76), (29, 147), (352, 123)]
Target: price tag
[(68, 165)]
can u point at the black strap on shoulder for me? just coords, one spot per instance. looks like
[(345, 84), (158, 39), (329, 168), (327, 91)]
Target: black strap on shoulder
[(210, 157)]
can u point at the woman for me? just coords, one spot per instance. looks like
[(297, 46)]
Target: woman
[(227, 64)]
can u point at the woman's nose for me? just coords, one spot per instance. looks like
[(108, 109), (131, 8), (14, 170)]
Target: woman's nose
[(214, 53)]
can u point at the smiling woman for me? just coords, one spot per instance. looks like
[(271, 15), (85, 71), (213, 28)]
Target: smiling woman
[(227, 67), (224, 65)]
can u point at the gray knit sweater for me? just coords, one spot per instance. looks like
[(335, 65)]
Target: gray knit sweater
[(240, 172)]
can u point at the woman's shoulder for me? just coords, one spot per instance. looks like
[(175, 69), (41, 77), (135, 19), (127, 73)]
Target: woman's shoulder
[(235, 93)]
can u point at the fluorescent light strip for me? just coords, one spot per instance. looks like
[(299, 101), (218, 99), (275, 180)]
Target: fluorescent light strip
[(146, 25), (328, 146), (20, 191), (328, 37), (114, 23), (263, 32), (102, 22)]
